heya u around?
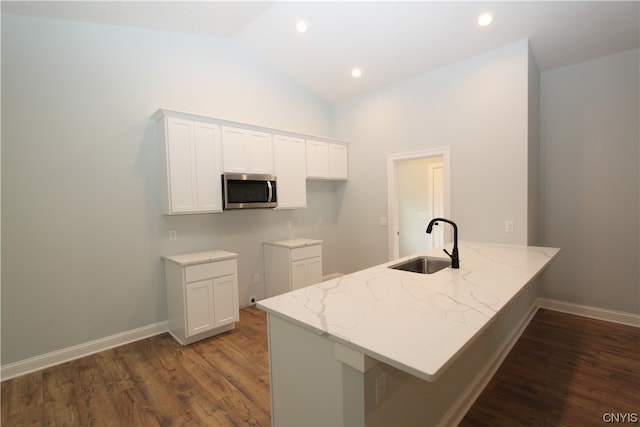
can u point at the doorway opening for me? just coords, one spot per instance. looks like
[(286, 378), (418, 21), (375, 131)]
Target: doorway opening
[(418, 190)]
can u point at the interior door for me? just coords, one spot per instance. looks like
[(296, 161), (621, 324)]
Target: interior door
[(420, 197)]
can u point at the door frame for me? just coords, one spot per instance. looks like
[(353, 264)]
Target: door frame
[(392, 193)]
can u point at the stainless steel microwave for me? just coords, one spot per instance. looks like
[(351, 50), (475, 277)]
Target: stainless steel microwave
[(243, 191)]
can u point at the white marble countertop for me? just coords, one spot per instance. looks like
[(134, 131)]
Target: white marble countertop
[(200, 257), (418, 323), (295, 243)]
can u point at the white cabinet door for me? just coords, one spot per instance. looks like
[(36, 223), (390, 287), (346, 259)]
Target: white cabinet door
[(211, 303), (234, 150), (314, 271), (298, 274), (199, 307), (246, 151), (306, 272), (260, 152), (338, 161), (225, 300), (208, 170), (317, 159), (291, 172), (181, 191)]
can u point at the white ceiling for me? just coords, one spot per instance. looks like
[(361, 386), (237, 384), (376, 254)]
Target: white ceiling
[(389, 41)]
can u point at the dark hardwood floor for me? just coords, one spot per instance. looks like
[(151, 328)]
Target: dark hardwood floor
[(221, 381), (565, 370)]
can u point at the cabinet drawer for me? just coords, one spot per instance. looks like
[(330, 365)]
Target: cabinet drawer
[(306, 252), (197, 272)]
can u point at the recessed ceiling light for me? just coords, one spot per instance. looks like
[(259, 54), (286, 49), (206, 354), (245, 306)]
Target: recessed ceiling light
[(356, 72), (302, 26), (485, 19)]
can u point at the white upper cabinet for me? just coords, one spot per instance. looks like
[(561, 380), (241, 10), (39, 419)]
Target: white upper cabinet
[(291, 172), (246, 151), (326, 160), (191, 172), (197, 149)]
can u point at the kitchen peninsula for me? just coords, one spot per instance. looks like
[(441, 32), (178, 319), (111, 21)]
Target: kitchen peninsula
[(389, 347)]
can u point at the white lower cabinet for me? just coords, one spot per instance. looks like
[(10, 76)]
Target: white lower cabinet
[(306, 272), (291, 264), (202, 294)]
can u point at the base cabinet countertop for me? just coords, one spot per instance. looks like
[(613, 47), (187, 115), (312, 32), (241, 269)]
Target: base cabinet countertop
[(380, 330)]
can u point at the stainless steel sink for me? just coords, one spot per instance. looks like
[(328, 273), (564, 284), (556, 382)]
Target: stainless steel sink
[(422, 265)]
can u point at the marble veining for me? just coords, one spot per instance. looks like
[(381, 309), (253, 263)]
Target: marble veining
[(416, 322)]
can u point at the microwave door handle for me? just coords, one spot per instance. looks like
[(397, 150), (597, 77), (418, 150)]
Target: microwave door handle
[(270, 196)]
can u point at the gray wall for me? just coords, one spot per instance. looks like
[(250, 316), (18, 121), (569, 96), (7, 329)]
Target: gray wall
[(477, 107), (590, 182), (82, 230)]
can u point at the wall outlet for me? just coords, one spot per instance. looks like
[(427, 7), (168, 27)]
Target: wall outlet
[(508, 226), (381, 387), (173, 235), (252, 300), (256, 277)]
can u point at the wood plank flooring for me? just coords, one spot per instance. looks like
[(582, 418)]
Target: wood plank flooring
[(565, 370), (221, 381)]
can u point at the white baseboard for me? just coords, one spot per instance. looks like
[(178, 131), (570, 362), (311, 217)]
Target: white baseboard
[(592, 312), (459, 409), (37, 363)]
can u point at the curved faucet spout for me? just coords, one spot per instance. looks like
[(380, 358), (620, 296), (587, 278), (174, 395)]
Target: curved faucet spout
[(455, 261)]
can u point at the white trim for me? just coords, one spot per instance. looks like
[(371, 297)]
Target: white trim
[(604, 314), (57, 357), (392, 203), (461, 406)]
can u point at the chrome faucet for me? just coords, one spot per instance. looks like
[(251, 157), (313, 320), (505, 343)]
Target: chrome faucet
[(455, 262)]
